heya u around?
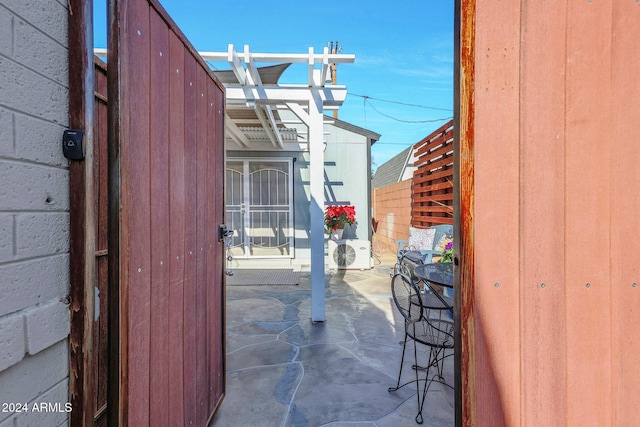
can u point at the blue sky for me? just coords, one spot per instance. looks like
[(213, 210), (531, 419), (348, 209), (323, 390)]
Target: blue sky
[(403, 49)]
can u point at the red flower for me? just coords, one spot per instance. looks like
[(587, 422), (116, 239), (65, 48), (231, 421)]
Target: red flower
[(337, 216)]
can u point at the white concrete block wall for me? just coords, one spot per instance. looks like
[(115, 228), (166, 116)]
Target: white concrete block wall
[(34, 212)]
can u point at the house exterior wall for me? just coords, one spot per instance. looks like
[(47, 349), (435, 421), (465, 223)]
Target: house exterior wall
[(347, 173), (34, 204), (347, 168)]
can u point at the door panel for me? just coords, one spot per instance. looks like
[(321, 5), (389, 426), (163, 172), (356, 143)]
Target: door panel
[(166, 167)]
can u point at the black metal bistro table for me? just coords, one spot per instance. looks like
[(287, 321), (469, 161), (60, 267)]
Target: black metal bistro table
[(436, 277)]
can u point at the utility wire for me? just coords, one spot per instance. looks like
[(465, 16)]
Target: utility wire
[(365, 101), (408, 121), (399, 103)]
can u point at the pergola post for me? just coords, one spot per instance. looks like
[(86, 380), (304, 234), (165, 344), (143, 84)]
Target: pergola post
[(316, 178)]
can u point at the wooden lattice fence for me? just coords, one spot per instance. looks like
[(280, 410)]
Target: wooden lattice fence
[(432, 189)]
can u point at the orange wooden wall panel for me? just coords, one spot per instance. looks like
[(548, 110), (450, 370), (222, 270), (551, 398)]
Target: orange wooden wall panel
[(496, 240), (587, 242), (625, 220), (568, 188), (542, 157)]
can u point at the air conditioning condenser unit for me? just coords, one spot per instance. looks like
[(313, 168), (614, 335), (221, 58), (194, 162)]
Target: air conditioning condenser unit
[(349, 254)]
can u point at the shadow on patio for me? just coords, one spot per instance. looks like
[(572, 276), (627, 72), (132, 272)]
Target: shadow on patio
[(283, 370)]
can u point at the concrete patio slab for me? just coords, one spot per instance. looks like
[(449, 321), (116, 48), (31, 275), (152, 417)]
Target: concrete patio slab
[(285, 370)]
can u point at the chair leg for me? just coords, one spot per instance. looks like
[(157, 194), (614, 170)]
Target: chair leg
[(419, 418), (438, 361), (404, 347), (434, 362), (425, 388)]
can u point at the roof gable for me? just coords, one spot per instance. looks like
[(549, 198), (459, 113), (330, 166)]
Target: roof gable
[(392, 170)]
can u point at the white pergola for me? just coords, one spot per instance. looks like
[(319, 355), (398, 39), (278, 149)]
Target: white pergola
[(307, 101)]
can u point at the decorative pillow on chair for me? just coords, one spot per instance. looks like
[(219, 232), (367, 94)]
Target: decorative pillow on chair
[(421, 238), (443, 242)]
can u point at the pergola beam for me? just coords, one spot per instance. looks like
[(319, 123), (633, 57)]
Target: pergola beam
[(236, 65), (268, 122), (235, 133), (286, 57), (267, 127), (299, 112), (330, 95)]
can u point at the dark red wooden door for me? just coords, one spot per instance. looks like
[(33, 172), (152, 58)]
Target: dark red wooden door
[(166, 201)]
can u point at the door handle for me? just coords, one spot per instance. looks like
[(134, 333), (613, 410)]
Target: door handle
[(224, 233)]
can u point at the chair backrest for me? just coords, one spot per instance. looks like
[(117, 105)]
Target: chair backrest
[(406, 296), (421, 239)]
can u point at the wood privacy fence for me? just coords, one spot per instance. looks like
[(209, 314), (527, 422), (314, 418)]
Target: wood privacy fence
[(424, 200), (432, 189)]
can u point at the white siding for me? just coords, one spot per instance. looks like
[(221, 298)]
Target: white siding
[(347, 175), (34, 210)]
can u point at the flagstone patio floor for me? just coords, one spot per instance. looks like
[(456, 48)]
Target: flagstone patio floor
[(284, 370)]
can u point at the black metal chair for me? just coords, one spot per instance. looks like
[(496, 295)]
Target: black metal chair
[(422, 326), (409, 256)]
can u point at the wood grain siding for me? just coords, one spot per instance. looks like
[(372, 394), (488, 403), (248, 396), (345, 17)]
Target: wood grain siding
[(190, 301), (497, 170), (587, 238), (216, 351), (159, 183), (177, 221), (171, 201), (548, 121), (542, 133), (624, 204), (432, 185)]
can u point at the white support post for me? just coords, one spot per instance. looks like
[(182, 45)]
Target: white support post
[(316, 178)]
